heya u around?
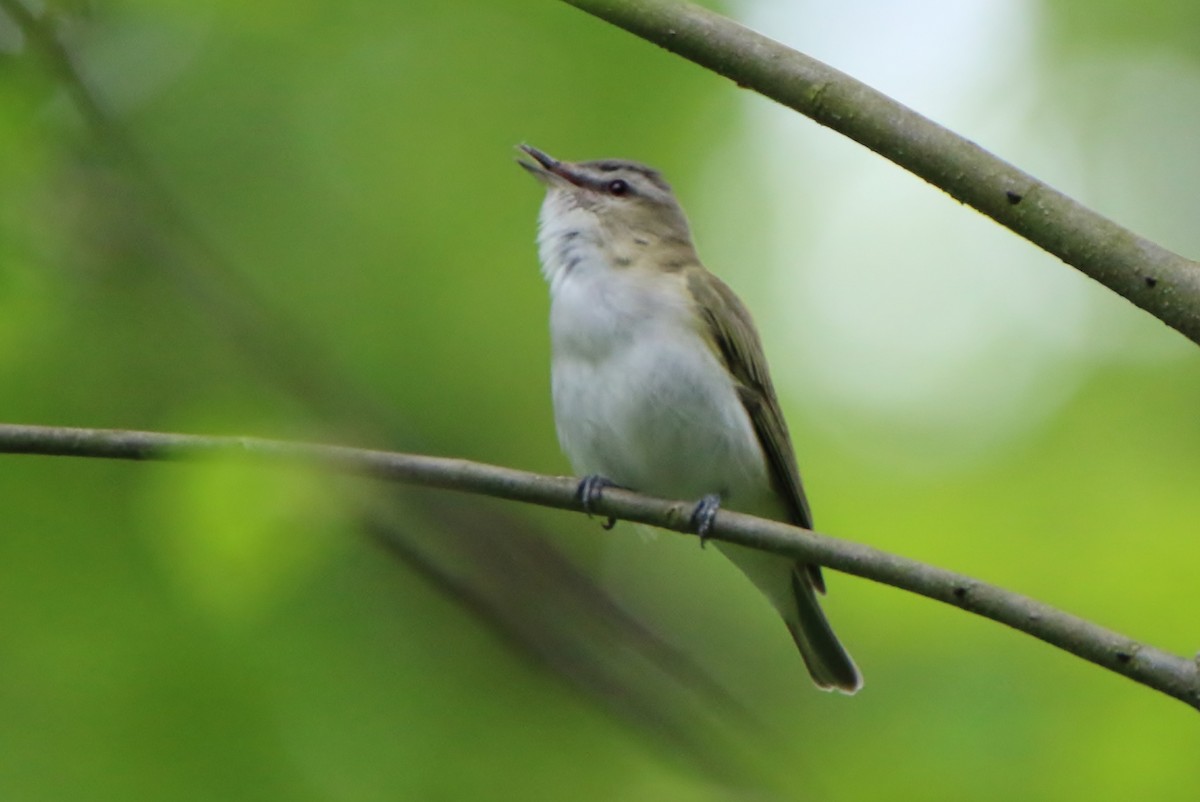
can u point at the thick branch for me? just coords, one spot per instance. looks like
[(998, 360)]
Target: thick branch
[(1163, 283), (1173, 675)]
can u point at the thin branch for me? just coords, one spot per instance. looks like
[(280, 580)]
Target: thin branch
[(60, 64), (1171, 674), (1161, 282)]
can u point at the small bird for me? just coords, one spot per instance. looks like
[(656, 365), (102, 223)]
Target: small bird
[(659, 380)]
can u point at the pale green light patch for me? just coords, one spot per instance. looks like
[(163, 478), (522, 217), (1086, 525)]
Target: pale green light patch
[(238, 539), (28, 312), (28, 309)]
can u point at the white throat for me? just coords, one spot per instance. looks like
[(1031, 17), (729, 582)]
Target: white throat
[(639, 395)]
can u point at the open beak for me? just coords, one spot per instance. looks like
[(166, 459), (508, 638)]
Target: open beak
[(546, 168)]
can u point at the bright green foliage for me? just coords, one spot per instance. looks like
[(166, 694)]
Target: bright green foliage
[(216, 632)]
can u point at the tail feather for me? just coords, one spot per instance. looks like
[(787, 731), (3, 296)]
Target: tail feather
[(789, 586), (828, 662)]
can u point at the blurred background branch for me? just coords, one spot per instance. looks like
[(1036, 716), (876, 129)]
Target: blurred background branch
[(1163, 283), (528, 593), (1173, 675)]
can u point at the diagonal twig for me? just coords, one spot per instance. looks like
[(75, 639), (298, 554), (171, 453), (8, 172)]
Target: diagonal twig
[(1155, 668), (1159, 281)]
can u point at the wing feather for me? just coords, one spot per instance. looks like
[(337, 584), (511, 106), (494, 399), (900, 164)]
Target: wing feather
[(732, 333)]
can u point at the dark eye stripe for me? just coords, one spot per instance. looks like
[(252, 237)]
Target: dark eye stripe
[(630, 168)]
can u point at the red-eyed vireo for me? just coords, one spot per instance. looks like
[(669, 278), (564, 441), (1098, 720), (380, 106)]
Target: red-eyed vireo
[(659, 380)]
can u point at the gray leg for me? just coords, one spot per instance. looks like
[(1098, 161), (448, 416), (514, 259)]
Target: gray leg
[(704, 514), (591, 487)]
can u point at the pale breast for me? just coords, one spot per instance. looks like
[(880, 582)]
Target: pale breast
[(641, 399)]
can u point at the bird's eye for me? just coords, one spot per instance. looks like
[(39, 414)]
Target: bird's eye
[(618, 187)]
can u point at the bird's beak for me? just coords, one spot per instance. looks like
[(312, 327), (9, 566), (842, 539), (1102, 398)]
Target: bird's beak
[(547, 169)]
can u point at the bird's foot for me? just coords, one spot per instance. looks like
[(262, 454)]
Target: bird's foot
[(591, 487), (703, 516)]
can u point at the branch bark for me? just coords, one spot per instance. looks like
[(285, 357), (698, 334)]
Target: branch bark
[(1159, 281), (1170, 674)]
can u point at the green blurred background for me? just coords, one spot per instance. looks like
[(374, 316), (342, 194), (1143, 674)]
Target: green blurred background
[(321, 234)]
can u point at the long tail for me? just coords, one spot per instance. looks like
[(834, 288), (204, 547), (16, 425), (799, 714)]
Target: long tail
[(789, 586), (828, 662)]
